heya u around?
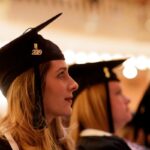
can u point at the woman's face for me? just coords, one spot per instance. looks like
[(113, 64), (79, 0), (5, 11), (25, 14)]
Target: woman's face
[(58, 91), (119, 102)]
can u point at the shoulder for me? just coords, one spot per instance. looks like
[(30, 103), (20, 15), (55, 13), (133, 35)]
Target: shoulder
[(4, 145), (101, 141)]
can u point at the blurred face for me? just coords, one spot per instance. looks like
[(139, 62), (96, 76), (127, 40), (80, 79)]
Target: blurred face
[(58, 93), (119, 102)]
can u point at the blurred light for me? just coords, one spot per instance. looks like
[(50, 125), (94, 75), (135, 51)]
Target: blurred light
[(130, 62), (148, 63), (141, 63), (130, 72), (69, 56), (105, 56), (81, 58), (117, 56), (2, 43), (93, 57), (3, 104)]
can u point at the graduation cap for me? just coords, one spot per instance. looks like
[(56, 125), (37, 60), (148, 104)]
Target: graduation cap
[(27, 51), (22, 53), (89, 74), (93, 73)]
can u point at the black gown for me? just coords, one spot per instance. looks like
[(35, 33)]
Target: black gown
[(101, 143), (4, 145)]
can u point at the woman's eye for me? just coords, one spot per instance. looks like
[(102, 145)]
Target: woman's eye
[(61, 74), (119, 92)]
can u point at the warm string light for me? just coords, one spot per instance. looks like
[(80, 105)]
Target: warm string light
[(130, 66)]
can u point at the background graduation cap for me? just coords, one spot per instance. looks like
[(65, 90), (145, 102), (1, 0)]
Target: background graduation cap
[(90, 74), (27, 51)]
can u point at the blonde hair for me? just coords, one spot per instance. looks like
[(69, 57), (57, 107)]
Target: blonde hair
[(19, 118), (89, 111)]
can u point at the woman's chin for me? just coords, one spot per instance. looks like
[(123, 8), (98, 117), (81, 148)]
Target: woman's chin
[(67, 112)]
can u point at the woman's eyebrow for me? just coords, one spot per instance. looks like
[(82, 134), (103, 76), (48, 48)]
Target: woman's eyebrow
[(61, 68)]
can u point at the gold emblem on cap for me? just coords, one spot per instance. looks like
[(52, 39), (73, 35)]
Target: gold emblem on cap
[(106, 72), (36, 51)]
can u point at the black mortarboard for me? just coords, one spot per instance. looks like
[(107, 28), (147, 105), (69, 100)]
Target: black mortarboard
[(93, 73), (21, 54), (90, 74), (27, 51)]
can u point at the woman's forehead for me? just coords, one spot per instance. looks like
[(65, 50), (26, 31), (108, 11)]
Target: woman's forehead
[(58, 64)]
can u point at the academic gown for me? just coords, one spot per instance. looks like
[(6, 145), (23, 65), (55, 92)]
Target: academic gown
[(4, 145), (91, 139)]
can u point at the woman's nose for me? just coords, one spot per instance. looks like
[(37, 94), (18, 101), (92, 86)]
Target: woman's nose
[(127, 99), (74, 84)]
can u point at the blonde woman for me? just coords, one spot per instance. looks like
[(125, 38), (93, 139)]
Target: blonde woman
[(100, 108), (34, 78), (138, 129)]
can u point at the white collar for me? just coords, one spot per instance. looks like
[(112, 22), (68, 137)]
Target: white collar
[(94, 132)]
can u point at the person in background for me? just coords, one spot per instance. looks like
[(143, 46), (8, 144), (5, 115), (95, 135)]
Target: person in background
[(100, 108), (138, 129), (34, 78)]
